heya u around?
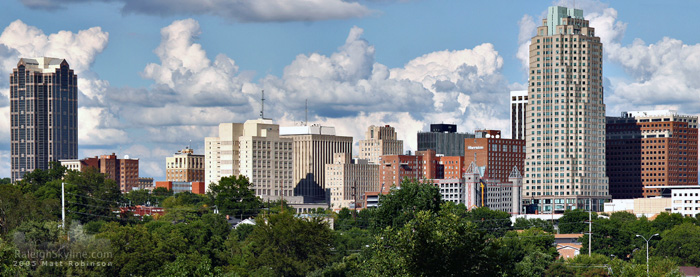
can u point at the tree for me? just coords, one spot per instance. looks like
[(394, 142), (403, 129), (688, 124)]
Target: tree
[(16, 208), (139, 197), (159, 195), (530, 250), (32, 181), (613, 236), (433, 244), (681, 244), (574, 221), (233, 196), (524, 224), (283, 245), (401, 205), (495, 223), (90, 195)]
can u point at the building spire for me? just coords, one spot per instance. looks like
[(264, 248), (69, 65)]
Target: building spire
[(306, 115), (262, 105)]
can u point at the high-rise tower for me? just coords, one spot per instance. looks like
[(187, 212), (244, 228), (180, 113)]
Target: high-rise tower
[(44, 114), (565, 129)]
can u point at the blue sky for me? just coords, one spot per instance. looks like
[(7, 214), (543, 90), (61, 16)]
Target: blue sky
[(147, 93)]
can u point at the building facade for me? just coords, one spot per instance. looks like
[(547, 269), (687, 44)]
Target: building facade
[(314, 148), (379, 141), (496, 155), (495, 194), (518, 113), (43, 114), (146, 183), (451, 189), (123, 171), (444, 139), (348, 181), (221, 154), (395, 168), (565, 130), (649, 150), (178, 187), (184, 166), (253, 149)]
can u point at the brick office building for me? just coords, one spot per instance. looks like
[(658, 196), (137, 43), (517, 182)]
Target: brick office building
[(649, 149), (123, 171), (497, 155)]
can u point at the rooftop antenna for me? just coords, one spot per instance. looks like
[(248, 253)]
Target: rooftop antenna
[(189, 146), (306, 116), (262, 105)]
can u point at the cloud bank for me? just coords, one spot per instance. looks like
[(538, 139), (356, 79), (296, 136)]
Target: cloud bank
[(192, 93), (236, 10)]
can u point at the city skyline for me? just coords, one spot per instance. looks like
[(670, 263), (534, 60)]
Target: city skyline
[(150, 86)]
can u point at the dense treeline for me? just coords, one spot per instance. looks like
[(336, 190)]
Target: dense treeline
[(413, 233)]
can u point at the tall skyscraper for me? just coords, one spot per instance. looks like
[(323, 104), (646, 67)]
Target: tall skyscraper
[(565, 130), (650, 150), (43, 114), (379, 141), (518, 113), (313, 148), (444, 139)]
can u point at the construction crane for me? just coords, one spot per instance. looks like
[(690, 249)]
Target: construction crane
[(482, 192)]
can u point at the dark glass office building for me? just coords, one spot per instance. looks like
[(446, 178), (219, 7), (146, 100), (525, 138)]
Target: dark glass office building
[(43, 114), (444, 139)]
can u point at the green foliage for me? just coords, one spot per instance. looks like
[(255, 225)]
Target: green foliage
[(531, 251), (90, 195), (283, 245), (5, 181), (681, 244), (495, 223), (433, 244), (32, 181), (574, 222), (613, 236), (524, 224), (16, 207), (188, 265), (233, 196), (402, 204), (348, 266), (139, 197), (159, 194), (350, 241)]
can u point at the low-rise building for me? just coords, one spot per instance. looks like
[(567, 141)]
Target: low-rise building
[(177, 187)]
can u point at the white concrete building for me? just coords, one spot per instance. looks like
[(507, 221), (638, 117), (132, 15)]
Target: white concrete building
[(72, 164), (379, 141), (452, 190), (253, 149)]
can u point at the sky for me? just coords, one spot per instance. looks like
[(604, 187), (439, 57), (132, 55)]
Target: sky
[(157, 76)]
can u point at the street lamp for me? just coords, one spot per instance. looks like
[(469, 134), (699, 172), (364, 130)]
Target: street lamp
[(647, 240)]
